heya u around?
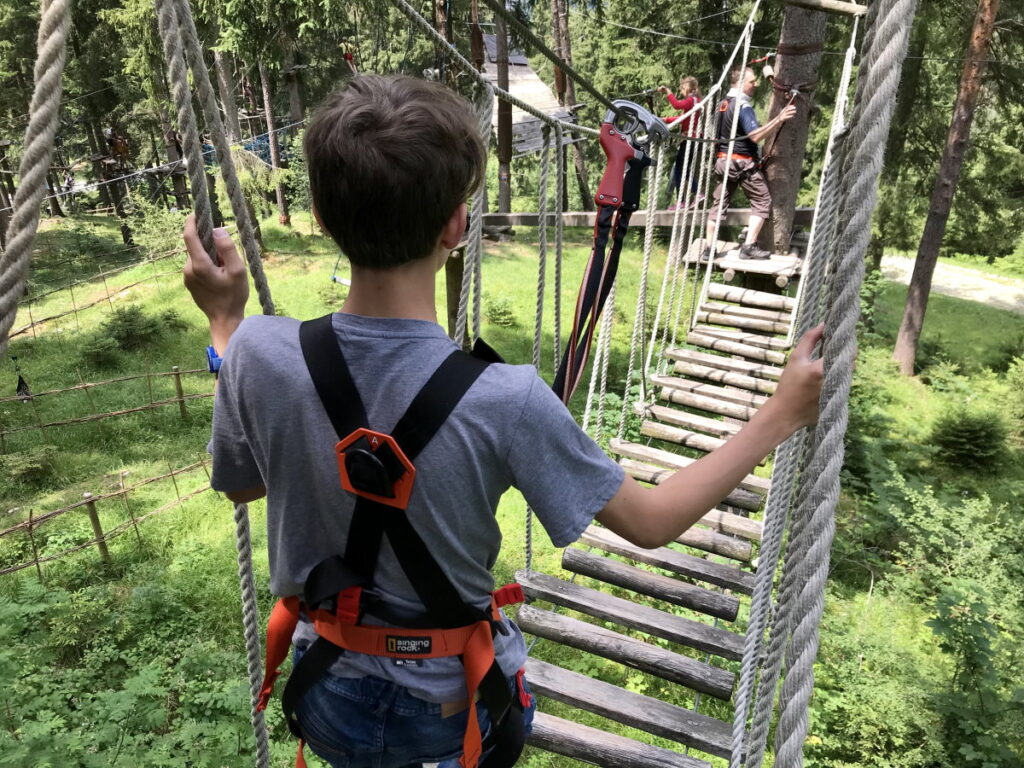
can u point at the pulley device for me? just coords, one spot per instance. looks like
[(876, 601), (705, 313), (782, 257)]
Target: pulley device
[(626, 139)]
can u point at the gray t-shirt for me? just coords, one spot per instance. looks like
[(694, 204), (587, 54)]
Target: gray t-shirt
[(270, 428)]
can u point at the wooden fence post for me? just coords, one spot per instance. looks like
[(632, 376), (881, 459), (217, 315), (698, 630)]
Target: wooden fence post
[(128, 507), (35, 549), (94, 518), (181, 392)]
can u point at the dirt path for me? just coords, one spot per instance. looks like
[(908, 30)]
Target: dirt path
[(963, 283)]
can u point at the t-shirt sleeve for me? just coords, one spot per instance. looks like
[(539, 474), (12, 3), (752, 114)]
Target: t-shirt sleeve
[(748, 121), (562, 473), (234, 466)]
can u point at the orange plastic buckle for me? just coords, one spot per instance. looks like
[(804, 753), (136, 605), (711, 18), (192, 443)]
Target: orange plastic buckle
[(348, 604), (508, 595), (403, 486)]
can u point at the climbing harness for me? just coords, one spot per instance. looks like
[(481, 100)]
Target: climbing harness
[(618, 196), (379, 470)]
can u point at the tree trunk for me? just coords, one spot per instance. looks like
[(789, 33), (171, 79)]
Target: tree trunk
[(5, 171), (476, 36), (582, 179), (226, 86), (293, 80), (5, 214), (52, 200), (800, 45), (905, 351), (275, 148), (253, 125), (117, 199), (504, 119)]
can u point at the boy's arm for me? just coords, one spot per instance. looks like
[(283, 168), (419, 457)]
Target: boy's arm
[(652, 517), (220, 291)]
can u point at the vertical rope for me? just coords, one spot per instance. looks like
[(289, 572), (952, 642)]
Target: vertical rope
[(559, 241), (474, 248), (218, 134), (170, 35), (542, 237), (44, 115)]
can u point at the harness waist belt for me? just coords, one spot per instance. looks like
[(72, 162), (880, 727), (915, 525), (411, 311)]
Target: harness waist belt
[(735, 156)]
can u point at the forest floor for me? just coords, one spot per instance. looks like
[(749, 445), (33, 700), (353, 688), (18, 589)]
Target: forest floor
[(963, 283)]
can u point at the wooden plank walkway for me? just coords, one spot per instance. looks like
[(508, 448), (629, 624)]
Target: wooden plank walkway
[(667, 612)]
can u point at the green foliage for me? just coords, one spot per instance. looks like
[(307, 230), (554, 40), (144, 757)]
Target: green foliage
[(1013, 404), (498, 311), (972, 439), (32, 466)]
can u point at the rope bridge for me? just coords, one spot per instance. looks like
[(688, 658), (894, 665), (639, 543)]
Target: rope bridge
[(714, 350)]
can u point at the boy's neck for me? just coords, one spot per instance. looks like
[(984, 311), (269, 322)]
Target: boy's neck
[(406, 292)]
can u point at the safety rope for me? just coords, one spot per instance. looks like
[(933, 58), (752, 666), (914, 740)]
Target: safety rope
[(559, 240), (542, 245), (44, 116)]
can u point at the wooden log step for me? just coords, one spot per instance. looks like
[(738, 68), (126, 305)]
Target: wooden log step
[(648, 473), (746, 367), (654, 585), (633, 709), (675, 629), (744, 337), (754, 485), (709, 390), (609, 750), (752, 312), (652, 659), (750, 297), (704, 403), (749, 323), (714, 427), (733, 347), (685, 437), (730, 378), (717, 544), (730, 522), (697, 568)]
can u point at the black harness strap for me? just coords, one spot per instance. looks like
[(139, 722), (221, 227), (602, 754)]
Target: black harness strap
[(445, 608)]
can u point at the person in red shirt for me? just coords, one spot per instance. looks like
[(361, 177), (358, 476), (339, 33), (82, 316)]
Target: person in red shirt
[(689, 97)]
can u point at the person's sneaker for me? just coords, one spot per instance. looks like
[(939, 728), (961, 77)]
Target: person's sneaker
[(705, 256), (754, 251)]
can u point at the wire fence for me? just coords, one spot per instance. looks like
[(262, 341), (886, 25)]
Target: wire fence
[(40, 546), (35, 417)]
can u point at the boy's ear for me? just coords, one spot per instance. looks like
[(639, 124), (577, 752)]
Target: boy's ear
[(455, 227)]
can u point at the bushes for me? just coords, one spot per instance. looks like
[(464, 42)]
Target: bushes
[(972, 440), (128, 329)]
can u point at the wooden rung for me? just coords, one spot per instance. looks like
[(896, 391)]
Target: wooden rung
[(684, 437), (714, 427), (633, 709), (733, 347), (648, 473), (697, 568), (754, 313), (716, 544), (746, 367), (675, 629), (749, 297), (730, 378), (637, 654), (590, 745), (749, 323), (833, 6), (729, 522), (736, 396), (709, 404), (744, 337), (654, 585), (751, 483)]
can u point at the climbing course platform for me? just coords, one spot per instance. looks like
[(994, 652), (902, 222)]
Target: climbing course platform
[(667, 612)]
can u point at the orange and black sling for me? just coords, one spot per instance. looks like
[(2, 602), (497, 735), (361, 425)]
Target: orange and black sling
[(379, 469)]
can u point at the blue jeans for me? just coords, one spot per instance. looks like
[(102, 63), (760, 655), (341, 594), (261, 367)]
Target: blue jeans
[(368, 722)]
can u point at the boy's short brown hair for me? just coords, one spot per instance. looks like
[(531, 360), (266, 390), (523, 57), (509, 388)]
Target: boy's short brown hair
[(390, 159)]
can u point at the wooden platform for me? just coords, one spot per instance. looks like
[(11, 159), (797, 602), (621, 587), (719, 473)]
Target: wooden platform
[(734, 217), (667, 612)]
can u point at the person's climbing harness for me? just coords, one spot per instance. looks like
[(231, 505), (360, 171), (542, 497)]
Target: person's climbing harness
[(379, 470), (618, 196)]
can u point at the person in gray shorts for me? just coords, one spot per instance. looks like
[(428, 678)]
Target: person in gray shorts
[(392, 161), (744, 163)]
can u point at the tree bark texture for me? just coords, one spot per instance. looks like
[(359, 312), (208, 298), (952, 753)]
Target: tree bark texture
[(565, 46), (275, 148), (504, 120), (796, 69), (226, 86), (293, 80), (950, 166)]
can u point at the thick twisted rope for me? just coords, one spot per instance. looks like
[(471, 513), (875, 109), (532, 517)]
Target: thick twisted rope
[(474, 247), (559, 240), (215, 125), (170, 36), (44, 114), (877, 88), (251, 621)]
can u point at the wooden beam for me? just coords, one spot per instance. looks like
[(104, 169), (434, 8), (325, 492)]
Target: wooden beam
[(733, 217), (831, 6)]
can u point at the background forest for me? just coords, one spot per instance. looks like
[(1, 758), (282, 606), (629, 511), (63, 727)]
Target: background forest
[(140, 660)]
